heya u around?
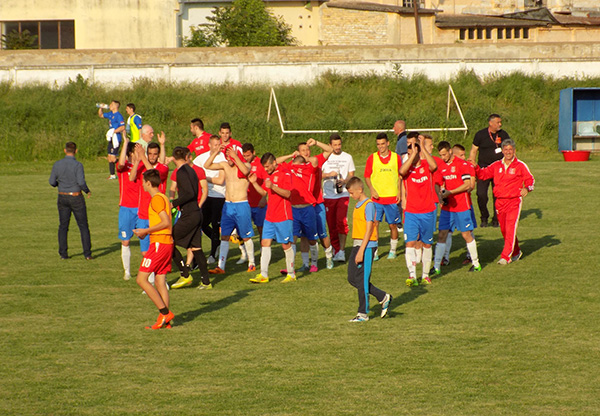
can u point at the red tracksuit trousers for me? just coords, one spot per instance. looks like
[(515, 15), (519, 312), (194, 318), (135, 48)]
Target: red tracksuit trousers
[(509, 210)]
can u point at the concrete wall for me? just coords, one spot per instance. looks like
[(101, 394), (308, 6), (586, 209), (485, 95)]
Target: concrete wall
[(288, 65)]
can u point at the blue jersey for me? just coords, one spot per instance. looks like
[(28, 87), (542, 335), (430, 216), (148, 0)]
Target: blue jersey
[(115, 120)]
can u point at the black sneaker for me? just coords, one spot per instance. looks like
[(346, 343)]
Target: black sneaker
[(483, 224), (495, 223)]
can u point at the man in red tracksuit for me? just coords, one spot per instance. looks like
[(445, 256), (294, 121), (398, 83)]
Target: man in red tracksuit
[(512, 182)]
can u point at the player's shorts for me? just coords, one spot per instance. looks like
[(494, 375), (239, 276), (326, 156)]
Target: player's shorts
[(321, 220), (128, 218), (144, 242), (157, 259), (305, 222), (461, 221), (258, 215), (391, 211), (473, 217), (282, 231), (113, 150), (419, 226), (237, 215)]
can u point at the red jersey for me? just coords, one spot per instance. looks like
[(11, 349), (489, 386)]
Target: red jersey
[(253, 196), (437, 176), (508, 181), (200, 144), (302, 175), (455, 173), (318, 188), (144, 200), (369, 171), (278, 208), (129, 192), (418, 183)]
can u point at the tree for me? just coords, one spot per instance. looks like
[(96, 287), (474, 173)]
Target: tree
[(16, 40), (244, 23)]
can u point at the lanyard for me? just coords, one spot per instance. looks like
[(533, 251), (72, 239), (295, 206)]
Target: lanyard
[(497, 141)]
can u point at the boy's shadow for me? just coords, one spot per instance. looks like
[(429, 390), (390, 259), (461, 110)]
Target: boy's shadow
[(212, 306), (405, 298)]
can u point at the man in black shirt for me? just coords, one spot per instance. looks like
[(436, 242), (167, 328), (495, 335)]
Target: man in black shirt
[(68, 175), (487, 142)]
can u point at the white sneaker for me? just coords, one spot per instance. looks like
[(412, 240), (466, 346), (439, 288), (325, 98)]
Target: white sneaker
[(210, 260), (126, 276), (340, 256), (242, 260)]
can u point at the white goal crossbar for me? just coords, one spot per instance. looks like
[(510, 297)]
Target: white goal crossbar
[(273, 99)]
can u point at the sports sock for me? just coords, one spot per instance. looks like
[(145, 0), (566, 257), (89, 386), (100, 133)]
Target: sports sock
[(223, 254), (440, 249), (393, 245), (151, 278), (427, 253), (314, 254), (472, 247), (418, 255), (411, 262), (111, 168), (202, 265), (289, 261), (126, 258), (185, 272), (243, 251), (328, 252), (265, 259), (249, 248), (448, 246), (164, 311), (305, 258)]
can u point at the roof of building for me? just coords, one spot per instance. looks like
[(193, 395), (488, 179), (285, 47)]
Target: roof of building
[(377, 7), (465, 21)]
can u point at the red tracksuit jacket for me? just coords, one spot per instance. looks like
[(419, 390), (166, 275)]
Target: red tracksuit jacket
[(508, 182)]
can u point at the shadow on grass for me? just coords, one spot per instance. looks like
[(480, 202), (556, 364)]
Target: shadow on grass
[(212, 306), (405, 298), (530, 246), (104, 251), (534, 211)]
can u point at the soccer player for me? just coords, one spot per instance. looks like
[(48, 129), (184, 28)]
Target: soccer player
[(512, 182), (337, 170), (116, 125), (382, 177), (236, 211), (200, 143), (258, 202), (133, 124), (456, 209), (420, 211), (129, 197), (364, 236), (278, 221), (158, 258), (226, 140)]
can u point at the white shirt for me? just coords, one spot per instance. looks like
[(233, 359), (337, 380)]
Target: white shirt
[(214, 190), (343, 164)]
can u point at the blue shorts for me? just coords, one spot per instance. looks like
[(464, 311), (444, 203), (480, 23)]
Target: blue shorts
[(144, 242), (258, 215), (321, 220), (473, 217), (278, 231), (419, 227), (461, 221), (392, 213), (237, 215), (305, 222), (127, 222)]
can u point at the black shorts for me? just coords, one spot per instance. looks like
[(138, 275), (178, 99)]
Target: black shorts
[(187, 231), (113, 150)]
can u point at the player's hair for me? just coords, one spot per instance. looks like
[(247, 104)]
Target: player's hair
[(444, 145), (152, 176), (301, 144), (459, 146), (225, 126), (508, 142), (247, 147), (413, 135), (354, 181), (266, 158), (118, 103), (417, 147), (132, 106), (493, 116), (299, 159), (130, 148), (198, 123), (154, 145), (427, 137), (71, 147), (334, 136), (145, 129), (214, 137), (180, 153), (382, 136)]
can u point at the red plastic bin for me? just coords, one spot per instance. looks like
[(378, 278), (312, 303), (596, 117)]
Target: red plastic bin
[(576, 155)]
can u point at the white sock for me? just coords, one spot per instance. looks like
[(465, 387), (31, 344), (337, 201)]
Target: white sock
[(427, 253), (265, 259), (243, 250), (448, 246), (249, 249), (440, 249), (305, 258), (472, 247), (418, 255), (151, 278), (411, 261), (289, 261), (328, 252), (126, 258), (223, 254), (393, 245), (314, 254)]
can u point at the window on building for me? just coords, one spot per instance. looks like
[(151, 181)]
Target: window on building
[(462, 34), (480, 33), (517, 33), (488, 33), (525, 33), (51, 34), (407, 3), (471, 33), (500, 33), (508, 33), (532, 4)]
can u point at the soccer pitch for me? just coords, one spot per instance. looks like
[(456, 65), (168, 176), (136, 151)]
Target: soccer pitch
[(523, 339)]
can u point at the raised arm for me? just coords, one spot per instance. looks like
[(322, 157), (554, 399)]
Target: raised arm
[(210, 162), (243, 167), (163, 152)]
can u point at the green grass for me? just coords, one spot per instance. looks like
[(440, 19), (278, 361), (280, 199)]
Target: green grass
[(521, 339)]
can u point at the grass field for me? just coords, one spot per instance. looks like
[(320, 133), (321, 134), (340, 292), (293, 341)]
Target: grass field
[(516, 340)]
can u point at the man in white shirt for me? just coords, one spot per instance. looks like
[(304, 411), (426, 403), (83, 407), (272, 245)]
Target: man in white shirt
[(212, 208), (337, 170)]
